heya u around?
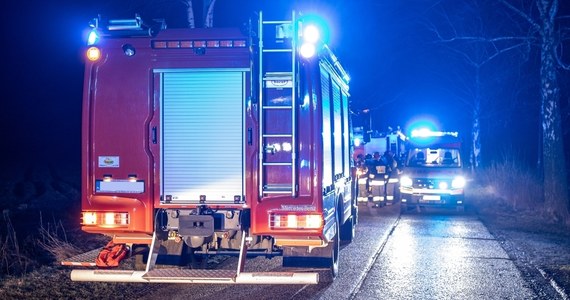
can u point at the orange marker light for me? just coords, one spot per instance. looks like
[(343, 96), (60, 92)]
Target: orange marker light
[(93, 54)]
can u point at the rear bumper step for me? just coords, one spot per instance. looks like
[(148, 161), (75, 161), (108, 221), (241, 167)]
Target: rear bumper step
[(86, 259), (195, 276)]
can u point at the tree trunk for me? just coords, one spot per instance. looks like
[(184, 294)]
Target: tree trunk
[(555, 184), (209, 13), (476, 124), (190, 14)]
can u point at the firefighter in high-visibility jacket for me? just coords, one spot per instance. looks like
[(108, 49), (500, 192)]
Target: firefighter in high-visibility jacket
[(363, 173), (391, 176), (376, 181)]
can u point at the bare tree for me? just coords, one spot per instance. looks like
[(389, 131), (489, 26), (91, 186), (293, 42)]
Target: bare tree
[(544, 26), (172, 7), (464, 31)]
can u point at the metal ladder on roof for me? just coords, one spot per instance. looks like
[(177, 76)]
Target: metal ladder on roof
[(277, 98)]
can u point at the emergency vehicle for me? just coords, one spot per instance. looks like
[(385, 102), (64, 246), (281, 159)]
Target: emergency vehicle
[(433, 172), (380, 186), (214, 141)]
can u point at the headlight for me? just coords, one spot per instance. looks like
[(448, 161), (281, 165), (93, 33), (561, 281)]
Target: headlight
[(443, 185), (458, 182), (406, 181)]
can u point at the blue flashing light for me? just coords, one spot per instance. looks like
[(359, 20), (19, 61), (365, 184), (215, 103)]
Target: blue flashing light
[(314, 24), (422, 123), (93, 37), (425, 132), (308, 50), (311, 39), (311, 34)]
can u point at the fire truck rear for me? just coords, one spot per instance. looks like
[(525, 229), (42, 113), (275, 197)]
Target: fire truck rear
[(200, 142)]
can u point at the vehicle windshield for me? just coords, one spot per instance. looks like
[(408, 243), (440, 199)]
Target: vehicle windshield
[(438, 157)]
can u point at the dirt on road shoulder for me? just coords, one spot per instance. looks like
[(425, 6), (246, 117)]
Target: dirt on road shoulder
[(541, 251)]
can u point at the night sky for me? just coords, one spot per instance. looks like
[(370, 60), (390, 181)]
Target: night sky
[(386, 46)]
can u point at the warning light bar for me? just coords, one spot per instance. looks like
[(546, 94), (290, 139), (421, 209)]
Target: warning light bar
[(424, 132), (199, 44)]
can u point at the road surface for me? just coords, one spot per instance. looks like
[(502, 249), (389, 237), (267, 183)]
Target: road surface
[(428, 255)]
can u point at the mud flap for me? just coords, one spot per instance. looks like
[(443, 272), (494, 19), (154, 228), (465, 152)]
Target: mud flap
[(300, 257), (170, 252)]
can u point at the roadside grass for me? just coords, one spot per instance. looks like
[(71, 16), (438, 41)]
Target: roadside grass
[(511, 197), (13, 259), (507, 185), (48, 244), (53, 239)]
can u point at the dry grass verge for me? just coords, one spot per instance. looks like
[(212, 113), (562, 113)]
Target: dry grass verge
[(13, 260), (508, 185)]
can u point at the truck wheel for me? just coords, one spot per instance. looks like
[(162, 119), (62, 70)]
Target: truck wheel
[(355, 212), (348, 230), (335, 256), (334, 251)]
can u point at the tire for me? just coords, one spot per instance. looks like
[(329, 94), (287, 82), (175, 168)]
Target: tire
[(355, 212), (335, 257), (334, 251), (348, 230)]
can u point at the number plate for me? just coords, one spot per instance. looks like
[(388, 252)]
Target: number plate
[(432, 198)]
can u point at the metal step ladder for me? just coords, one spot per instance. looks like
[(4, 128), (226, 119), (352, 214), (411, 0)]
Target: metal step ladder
[(277, 98)]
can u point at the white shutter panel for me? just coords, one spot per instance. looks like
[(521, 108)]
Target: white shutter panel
[(202, 136)]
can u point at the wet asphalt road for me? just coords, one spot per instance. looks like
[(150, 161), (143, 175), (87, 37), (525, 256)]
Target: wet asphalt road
[(428, 255), (442, 255)]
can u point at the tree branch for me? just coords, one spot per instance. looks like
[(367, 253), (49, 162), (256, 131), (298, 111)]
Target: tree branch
[(521, 14)]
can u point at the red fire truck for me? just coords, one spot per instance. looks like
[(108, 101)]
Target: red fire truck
[(214, 141)]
